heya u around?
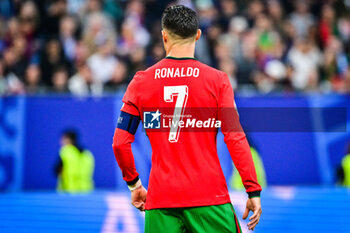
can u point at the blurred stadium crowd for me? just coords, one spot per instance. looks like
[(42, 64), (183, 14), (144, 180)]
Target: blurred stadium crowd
[(96, 46)]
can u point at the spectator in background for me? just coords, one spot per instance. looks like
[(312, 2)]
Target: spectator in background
[(343, 26), (246, 64), (68, 27), (103, 62), (228, 66), (75, 166), (133, 36), (253, 9), (209, 24), (82, 83), (267, 37), (13, 83), (327, 25), (33, 80), (13, 30), (336, 64), (119, 77), (229, 10), (270, 50), (55, 11), (29, 20), (59, 80), (273, 76), (137, 59), (157, 53), (20, 59), (95, 24), (113, 9), (276, 14), (233, 38), (93, 6), (134, 21), (262, 38), (288, 37), (81, 54), (213, 35), (304, 60), (52, 58), (202, 50), (301, 18), (76, 6)]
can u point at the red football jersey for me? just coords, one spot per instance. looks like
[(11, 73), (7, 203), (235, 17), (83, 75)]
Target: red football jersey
[(186, 171)]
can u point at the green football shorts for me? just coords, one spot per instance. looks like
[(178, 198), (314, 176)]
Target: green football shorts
[(204, 219)]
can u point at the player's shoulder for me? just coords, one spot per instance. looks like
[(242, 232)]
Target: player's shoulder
[(211, 70), (212, 75)]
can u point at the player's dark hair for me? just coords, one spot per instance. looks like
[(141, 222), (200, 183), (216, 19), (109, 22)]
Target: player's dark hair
[(181, 21)]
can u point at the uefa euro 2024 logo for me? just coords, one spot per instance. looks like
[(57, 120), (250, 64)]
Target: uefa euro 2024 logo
[(152, 120)]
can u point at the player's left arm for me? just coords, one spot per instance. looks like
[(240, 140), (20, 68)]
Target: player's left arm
[(123, 137), (239, 149), (128, 122)]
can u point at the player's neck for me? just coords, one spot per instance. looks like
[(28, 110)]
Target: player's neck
[(180, 50)]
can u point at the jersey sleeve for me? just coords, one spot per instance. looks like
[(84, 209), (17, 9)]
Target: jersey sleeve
[(235, 138), (122, 151), (128, 122), (130, 98)]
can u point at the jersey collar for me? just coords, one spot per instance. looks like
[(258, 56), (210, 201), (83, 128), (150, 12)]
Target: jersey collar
[(180, 58)]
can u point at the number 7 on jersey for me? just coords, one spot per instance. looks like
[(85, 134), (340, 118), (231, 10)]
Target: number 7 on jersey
[(182, 93)]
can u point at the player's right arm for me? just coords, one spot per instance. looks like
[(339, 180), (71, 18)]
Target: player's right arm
[(128, 122), (239, 149)]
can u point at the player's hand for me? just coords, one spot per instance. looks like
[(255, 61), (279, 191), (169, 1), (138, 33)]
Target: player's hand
[(254, 205), (138, 198)]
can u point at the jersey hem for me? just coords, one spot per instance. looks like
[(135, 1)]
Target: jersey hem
[(185, 205)]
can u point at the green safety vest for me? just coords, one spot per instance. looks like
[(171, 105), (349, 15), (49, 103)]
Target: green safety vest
[(77, 171), (236, 181), (346, 167)]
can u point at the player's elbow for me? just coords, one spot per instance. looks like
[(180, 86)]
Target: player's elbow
[(117, 145), (120, 140), (234, 137)]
